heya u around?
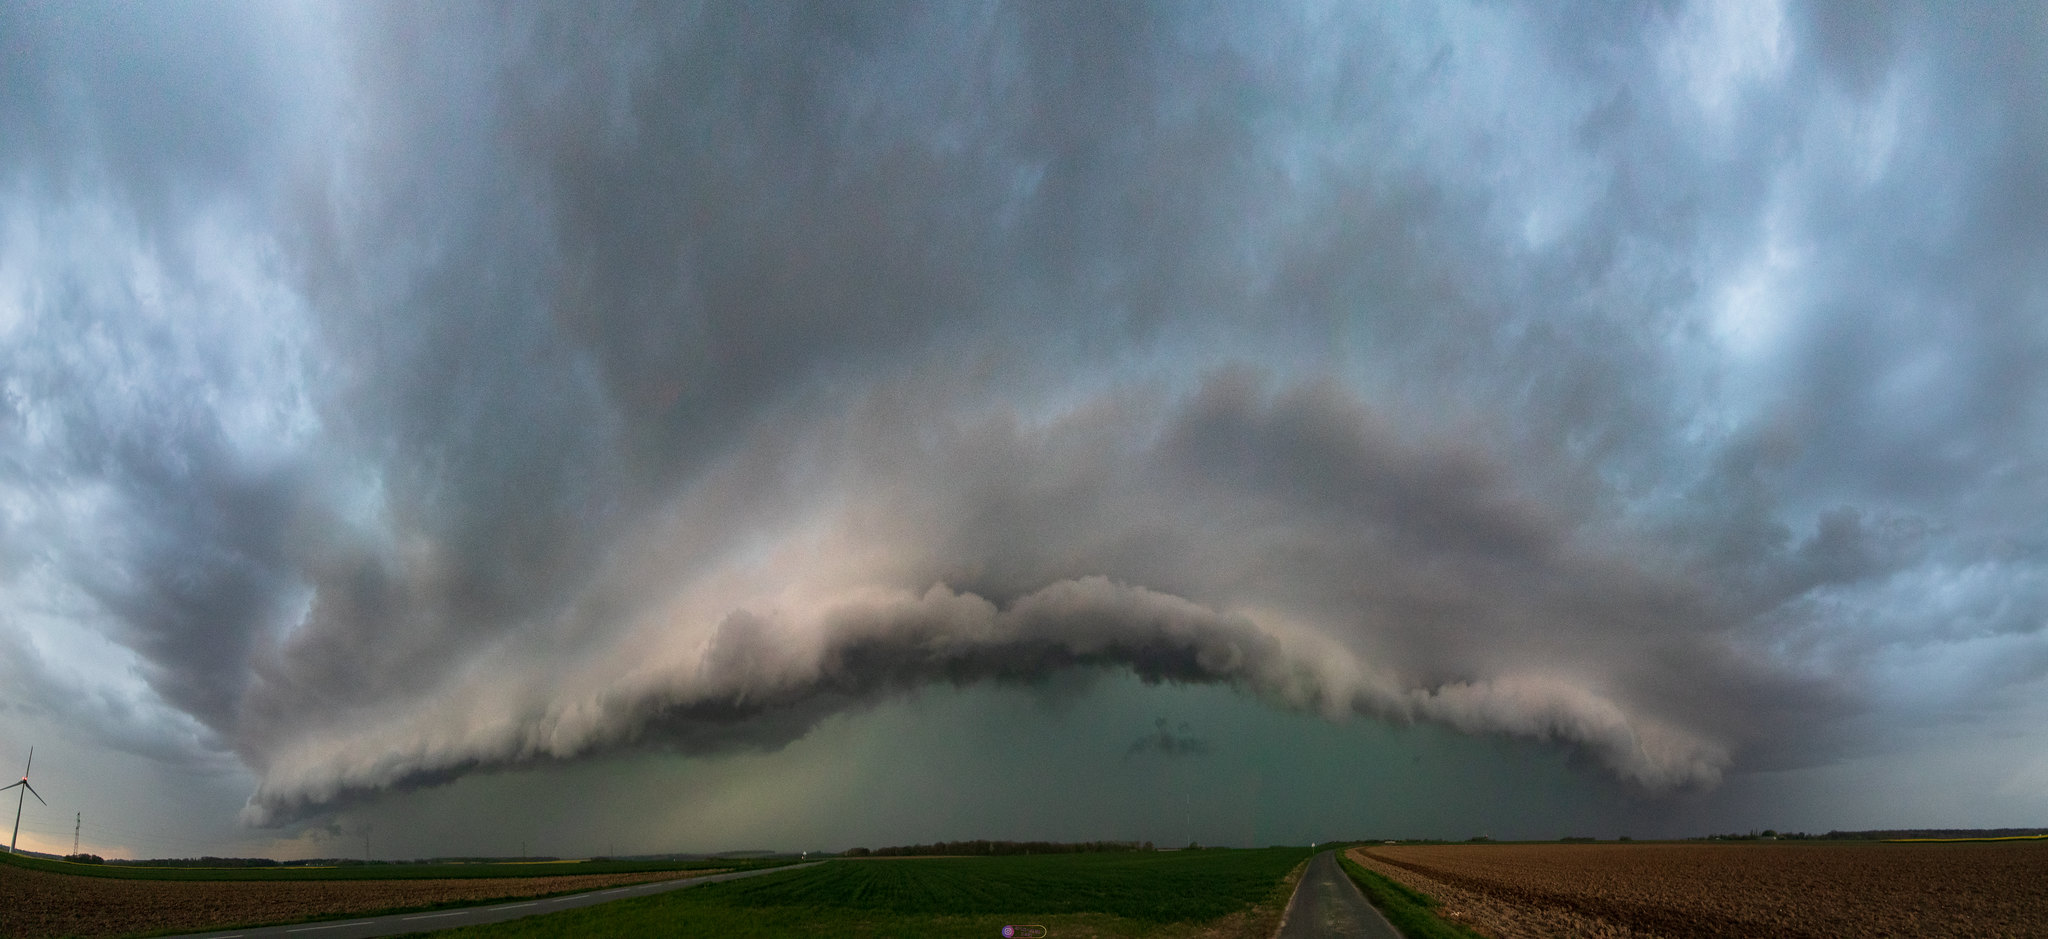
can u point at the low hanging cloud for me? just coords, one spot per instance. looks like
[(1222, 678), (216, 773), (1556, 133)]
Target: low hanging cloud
[(818, 612), (413, 393), (762, 681)]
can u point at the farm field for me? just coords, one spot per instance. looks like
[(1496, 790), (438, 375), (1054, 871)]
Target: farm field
[(1215, 893), (36, 902), (379, 871), (1511, 891)]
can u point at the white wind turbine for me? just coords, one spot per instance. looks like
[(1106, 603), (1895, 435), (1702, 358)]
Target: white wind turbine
[(19, 798)]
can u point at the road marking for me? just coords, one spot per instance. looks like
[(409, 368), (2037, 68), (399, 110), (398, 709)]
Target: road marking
[(438, 915), (330, 926), (513, 906)]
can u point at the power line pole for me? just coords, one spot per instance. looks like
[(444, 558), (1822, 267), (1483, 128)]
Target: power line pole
[(77, 822)]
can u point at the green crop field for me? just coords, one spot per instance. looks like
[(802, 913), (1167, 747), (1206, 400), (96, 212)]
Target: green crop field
[(379, 871), (1148, 894)]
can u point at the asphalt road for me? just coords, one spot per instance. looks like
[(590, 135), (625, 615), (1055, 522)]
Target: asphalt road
[(398, 924), (1327, 905)]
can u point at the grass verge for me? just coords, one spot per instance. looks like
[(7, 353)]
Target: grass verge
[(1410, 912)]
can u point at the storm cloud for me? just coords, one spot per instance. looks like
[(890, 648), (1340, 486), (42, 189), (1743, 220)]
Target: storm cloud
[(393, 393)]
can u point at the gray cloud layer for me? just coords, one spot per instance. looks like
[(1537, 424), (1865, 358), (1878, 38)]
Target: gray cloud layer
[(404, 392)]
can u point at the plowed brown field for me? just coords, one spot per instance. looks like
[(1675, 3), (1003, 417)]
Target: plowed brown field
[(1721, 890), (34, 904)]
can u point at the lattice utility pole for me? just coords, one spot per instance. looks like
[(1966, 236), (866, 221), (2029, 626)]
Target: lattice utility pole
[(76, 823)]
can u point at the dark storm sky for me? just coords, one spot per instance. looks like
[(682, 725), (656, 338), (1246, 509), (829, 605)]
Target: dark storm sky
[(393, 394)]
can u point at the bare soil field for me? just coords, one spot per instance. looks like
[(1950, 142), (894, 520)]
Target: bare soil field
[(1718, 890), (35, 904)]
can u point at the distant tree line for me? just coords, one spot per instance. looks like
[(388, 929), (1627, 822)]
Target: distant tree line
[(208, 861), (1882, 834), (211, 861), (1002, 848)]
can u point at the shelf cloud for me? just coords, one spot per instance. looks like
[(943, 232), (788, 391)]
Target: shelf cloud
[(391, 394)]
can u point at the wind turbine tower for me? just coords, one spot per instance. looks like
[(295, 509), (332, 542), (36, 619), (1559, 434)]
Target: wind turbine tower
[(19, 797)]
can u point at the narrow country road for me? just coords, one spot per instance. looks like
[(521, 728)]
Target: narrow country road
[(1327, 905), (398, 924)]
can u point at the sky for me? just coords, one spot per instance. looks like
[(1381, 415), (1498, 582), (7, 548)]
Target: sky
[(582, 429)]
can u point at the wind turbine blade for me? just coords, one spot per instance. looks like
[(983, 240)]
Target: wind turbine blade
[(31, 762), (32, 791), (12, 785)]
